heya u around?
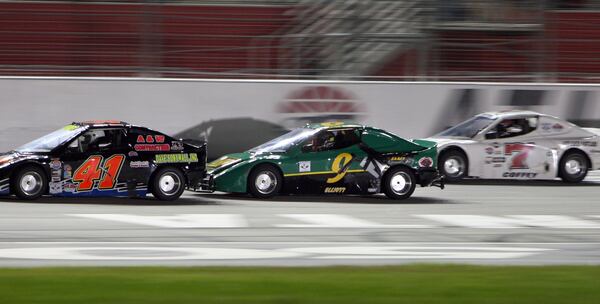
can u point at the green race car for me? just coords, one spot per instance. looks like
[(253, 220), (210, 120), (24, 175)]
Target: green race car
[(329, 158)]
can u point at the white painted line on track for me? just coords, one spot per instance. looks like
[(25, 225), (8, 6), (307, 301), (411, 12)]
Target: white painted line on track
[(175, 221), (225, 251), (334, 221), (338, 221), (511, 222)]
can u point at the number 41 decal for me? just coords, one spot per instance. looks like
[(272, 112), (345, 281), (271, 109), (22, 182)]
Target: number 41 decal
[(95, 168)]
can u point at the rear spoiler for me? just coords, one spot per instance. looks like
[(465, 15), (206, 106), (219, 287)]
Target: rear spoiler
[(194, 142)]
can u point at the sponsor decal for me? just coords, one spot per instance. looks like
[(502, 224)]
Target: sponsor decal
[(320, 103), (176, 146), (56, 176), (546, 126), (425, 162), (132, 154), (67, 172), (176, 158), (150, 139), (489, 150), (55, 164), (139, 164), (578, 143), (223, 161), (498, 159), (519, 174), (335, 189), (151, 143), (69, 187), (55, 188), (401, 160), (304, 166), (152, 147), (557, 127)]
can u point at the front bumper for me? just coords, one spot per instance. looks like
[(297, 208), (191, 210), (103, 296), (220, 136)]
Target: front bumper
[(430, 177)]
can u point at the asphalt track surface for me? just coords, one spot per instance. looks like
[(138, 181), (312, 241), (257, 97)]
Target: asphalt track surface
[(478, 222)]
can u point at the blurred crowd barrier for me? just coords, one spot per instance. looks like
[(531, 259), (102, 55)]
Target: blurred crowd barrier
[(429, 40)]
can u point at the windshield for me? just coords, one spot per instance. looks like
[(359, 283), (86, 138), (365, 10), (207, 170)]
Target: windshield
[(48, 142), (470, 127), (285, 141)]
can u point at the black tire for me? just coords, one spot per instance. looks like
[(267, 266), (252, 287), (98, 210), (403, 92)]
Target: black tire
[(573, 167), (29, 183), (453, 160), (264, 181), (399, 183), (168, 184)]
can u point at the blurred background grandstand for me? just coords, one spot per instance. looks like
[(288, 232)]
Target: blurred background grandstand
[(429, 40)]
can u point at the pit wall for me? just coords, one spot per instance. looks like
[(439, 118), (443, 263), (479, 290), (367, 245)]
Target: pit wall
[(31, 107)]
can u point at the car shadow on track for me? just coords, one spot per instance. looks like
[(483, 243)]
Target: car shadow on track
[(147, 201), (341, 199), (522, 183)]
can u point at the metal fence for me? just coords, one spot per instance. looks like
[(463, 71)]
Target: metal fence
[(467, 40)]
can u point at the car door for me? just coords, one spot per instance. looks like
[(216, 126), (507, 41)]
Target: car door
[(330, 161), (513, 153), (95, 163)]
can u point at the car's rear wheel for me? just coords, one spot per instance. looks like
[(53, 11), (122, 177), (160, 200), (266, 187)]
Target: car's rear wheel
[(168, 184), (265, 181), (453, 165), (399, 183), (573, 167), (29, 183)]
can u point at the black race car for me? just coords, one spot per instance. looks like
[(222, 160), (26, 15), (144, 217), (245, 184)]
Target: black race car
[(103, 158)]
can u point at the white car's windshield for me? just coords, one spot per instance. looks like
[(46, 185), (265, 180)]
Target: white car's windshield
[(285, 141), (50, 141), (469, 128)]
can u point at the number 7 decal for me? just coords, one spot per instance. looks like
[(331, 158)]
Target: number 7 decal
[(94, 168), (519, 161)]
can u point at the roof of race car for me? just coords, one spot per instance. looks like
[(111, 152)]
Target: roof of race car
[(102, 123), (512, 113), (332, 124)]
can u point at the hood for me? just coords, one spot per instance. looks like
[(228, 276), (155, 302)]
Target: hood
[(443, 141), (6, 159), (227, 161), (594, 131)]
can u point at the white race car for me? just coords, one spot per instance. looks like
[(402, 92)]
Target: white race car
[(518, 145)]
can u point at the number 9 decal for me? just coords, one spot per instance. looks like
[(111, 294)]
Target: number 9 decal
[(339, 163)]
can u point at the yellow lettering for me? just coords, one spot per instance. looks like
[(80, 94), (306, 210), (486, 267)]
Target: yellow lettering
[(339, 162)]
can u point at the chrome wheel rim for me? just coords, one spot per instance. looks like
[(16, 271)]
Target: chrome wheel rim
[(169, 183), (574, 166), (31, 183), (401, 183), (454, 166), (265, 182)]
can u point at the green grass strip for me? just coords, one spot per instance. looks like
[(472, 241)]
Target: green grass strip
[(395, 284)]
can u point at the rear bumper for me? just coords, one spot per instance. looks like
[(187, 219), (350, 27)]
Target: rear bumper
[(430, 177), (206, 184)]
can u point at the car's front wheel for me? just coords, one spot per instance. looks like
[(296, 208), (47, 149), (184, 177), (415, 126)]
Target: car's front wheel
[(30, 183), (453, 165), (573, 167), (265, 181), (399, 183), (168, 184)]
